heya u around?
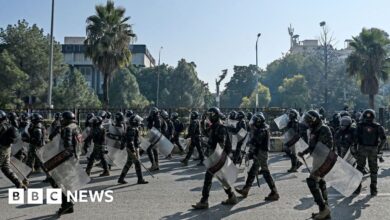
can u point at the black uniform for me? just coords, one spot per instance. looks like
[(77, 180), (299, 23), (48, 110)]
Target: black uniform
[(241, 124), (194, 134), (98, 136), (319, 132), (156, 122), (371, 138), (298, 131), (178, 128), (344, 139), (55, 128), (259, 153), (218, 135)]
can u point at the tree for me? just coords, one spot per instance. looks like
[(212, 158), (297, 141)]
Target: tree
[(107, 42), (29, 47), (147, 82), (369, 61), (295, 92), (12, 81), (241, 84), (263, 94), (73, 92), (124, 91)]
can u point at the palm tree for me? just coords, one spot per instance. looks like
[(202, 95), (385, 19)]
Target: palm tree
[(107, 42), (369, 61)]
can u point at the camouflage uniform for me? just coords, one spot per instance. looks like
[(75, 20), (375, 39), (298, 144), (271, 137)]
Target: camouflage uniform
[(8, 135), (36, 140), (131, 141)]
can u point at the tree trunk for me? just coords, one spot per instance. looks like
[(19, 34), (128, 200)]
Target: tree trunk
[(371, 99), (105, 91)]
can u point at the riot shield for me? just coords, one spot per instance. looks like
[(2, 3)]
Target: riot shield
[(17, 146), (19, 168), (349, 158), (113, 142), (344, 178), (281, 121), (85, 134), (144, 143), (62, 166), (160, 142), (222, 167), (185, 143), (336, 171)]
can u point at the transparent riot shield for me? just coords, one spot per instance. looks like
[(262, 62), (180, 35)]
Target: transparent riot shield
[(185, 143), (222, 167), (344, 177), (281, 121), (19, 168), (160, 142), (115, 154), (17, 146), (336, 171), (144, 143), (62, 166), (85, 134), (113, 143), (349, 158)]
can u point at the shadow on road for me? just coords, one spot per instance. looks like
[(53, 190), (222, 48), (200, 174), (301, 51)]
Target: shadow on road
[(215, 212)]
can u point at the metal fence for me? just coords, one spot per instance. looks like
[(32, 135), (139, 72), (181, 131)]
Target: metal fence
[(81, 114)]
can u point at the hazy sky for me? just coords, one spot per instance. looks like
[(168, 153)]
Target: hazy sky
[(215, 34)]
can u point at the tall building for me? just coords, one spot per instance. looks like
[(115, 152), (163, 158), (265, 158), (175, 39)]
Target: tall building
[(73, 50)]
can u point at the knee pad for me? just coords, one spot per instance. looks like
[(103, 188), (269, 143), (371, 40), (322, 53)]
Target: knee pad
[(322, 184)]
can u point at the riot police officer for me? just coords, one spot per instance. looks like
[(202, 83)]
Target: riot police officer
[(155, 121), (241, 124), (71, 138), (55, 127), (8, 135), (297, 131), (98, 136), (194, 134), (36, 140), (131, 141), (319, 132), (217, 135), (344, 137), (178, 128), (87, 123), (370, 137), (168, 128), (258, 152)]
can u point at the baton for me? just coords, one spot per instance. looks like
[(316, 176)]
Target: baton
[(257, 178), (150, 173), (304, 161)]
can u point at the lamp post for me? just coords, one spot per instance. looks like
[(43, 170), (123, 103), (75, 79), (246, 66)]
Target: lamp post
[(51, 58), (158, 76), (257, 40), (325, 44)]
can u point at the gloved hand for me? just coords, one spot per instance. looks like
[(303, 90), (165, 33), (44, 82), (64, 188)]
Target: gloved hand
[(380, 157), (301, 154)]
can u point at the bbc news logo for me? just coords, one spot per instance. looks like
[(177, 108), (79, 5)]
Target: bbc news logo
[(54, 196)]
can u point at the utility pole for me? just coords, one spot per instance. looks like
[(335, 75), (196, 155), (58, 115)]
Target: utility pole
[(158, 77), (257, 40), (325, 44), (51, 58)]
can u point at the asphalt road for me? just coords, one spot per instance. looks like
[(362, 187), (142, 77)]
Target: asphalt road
[(174, 189)]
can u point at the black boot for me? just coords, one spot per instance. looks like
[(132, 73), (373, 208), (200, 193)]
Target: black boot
[(373, 190), (324, 192), (121, 179), (139, 175), (66, 208)]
